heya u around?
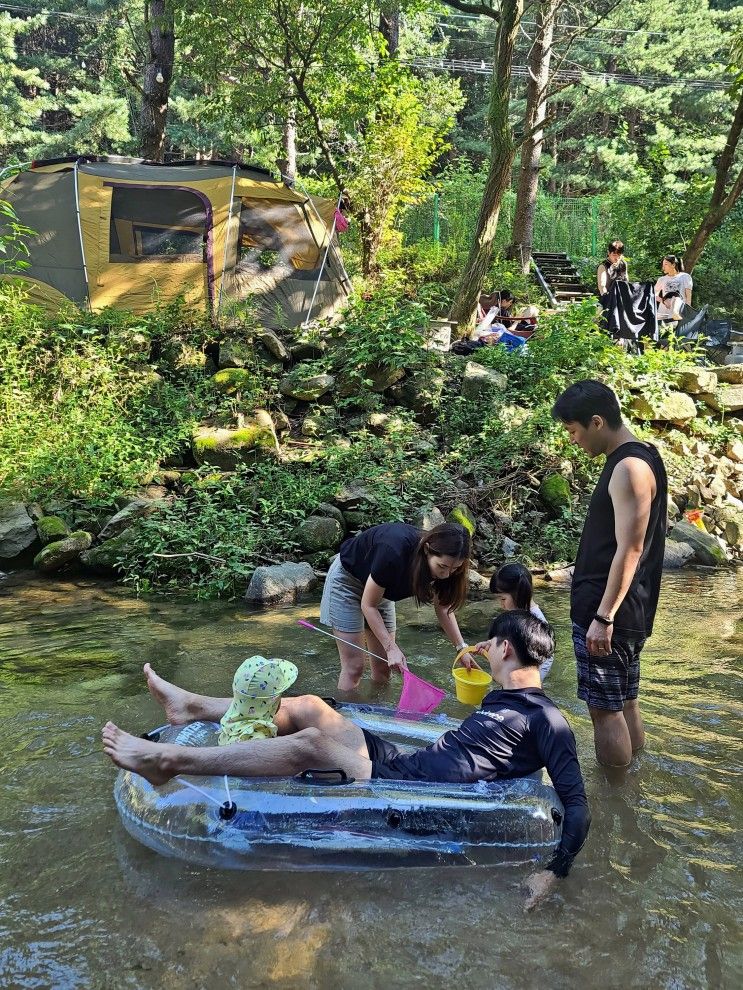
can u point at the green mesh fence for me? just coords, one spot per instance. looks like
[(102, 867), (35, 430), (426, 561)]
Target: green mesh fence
[(561, 223)]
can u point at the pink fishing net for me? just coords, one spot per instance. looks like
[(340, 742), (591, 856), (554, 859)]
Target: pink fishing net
[(418, 697)]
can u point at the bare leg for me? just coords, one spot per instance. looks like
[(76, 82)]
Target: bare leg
[(352, 660), (310, 712), (611, 738), (633, 718), (380, 669), (260, 758), (183, 706)]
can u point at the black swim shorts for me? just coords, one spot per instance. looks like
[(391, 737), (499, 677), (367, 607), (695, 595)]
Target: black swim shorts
[(608, 682), (380, 751)]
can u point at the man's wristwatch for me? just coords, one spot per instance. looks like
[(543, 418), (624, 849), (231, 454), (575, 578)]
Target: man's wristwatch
[(603, 620)]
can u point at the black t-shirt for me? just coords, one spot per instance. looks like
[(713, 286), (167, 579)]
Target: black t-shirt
[(514, 734), (385, 554), (635, 615)]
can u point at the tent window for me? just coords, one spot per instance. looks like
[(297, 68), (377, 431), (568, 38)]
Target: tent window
[(161, 224)]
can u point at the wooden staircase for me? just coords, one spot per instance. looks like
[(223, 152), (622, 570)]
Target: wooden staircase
[(559, 278)]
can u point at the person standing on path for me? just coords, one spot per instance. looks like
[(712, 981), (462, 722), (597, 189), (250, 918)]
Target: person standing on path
[(383, 565), (616, 581)]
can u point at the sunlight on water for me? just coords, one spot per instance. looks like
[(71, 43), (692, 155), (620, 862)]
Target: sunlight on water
[(653, 900)]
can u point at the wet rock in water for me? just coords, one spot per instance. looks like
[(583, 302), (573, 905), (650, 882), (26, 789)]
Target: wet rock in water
[(478, 584), (675, 407), (226, 449), (318, 533), (272, 344), (481, 383), (298, 385), (105, 558), (464, 516), (280, 584), (136, 509), (707, 549), (427, 517), (51, 529), (61, 553), (675, 555), (555, 494), (17, 530), (696, 380)]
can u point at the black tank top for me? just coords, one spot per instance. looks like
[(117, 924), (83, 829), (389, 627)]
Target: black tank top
[(634, 617)]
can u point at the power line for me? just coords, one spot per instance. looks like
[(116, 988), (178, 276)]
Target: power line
[(54, 13), (481, 67), (572, 27)]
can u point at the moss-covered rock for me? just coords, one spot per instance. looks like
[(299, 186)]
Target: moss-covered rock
[(465, 517), (299, 385), (226, 449), (62, 553), (706, 548), (555, 494), (318, 533), (50, 529), (106, 558), (230, 381)]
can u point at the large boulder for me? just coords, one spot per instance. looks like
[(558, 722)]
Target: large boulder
[(706, 548), (136, 509), (60, 553), (106, 558), (272, 344), (280, 584), (307, 387), (675, 407), (555, 494), (696, 380), (227, 449), (17, 530), (481, 383), (427, 517), (676, 554), (727, 398), (318, 533), (52, 528)]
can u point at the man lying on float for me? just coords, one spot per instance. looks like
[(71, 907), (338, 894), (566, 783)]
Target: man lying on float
[(517, 731)]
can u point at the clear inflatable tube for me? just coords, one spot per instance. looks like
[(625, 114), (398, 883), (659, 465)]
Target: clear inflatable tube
[(322, 823)]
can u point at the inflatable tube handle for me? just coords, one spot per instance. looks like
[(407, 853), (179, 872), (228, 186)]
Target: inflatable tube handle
[(314, 776)]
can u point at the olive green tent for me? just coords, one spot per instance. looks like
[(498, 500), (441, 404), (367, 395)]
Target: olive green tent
[(224, 236)]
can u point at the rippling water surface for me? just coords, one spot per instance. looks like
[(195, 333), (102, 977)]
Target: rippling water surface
[(653, 901)]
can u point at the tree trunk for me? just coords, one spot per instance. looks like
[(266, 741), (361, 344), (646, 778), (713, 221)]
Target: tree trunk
[(531, 150), (502, 153), (158, 75), (287, 165), (721, 203), (389, 26)]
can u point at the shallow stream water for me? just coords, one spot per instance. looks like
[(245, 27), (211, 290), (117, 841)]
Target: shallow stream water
[(654, 900)]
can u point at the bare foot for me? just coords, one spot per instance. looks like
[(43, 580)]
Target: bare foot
[(176, 702), (148, 759)]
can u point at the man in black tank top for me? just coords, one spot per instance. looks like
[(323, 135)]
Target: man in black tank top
[(617, 574)]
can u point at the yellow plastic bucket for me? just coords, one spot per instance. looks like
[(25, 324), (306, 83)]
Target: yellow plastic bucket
[(472, 685)]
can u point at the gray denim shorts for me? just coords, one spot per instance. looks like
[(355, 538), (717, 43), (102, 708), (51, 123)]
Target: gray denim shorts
[(341, 602)]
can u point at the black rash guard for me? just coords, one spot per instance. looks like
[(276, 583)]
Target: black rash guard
[(514, 734)]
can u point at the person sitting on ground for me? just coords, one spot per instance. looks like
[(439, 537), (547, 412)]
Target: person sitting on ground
[(673, 289), (512, 586), (517, 731)]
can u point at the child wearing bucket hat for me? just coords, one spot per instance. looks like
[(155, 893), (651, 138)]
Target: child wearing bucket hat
[(256, 695)]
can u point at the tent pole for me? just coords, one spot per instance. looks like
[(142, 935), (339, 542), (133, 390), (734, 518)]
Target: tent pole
[(336, 252), (226, 240), (80, 233), (322, 266)]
